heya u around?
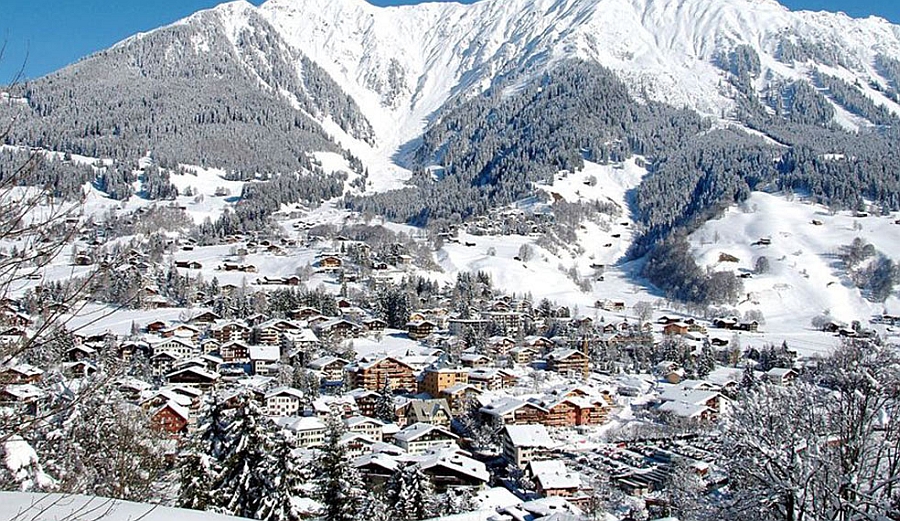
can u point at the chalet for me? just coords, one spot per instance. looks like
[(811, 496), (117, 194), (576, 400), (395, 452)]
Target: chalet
[(687, 411), (205, 318), (270, 332), (450, 469), (210, 345), (309, 430), (690, 403), (179, 347), (12, 335), (339, 328), (194, 377), (489, 379), (356, 445), (725, 322), (523, 355), (538, 343), (79, 369), (343, 406), (163, 362), (27, 399), (131, 388), (610, 305), (303, 313), (676, 329), (155, 326), (330, 368), (420, 438), (329, 263), (235, 351), (512, 411), (244, 268), (185, 331), (171, 418), (522, 444), (269, 281), (189, 265), (474, 360), (369, 427), (781, 376), (569, 362), (459, 397), (283, 401), (374, 325), (366, 401), (419, 329), (377, 468), (373, 374), (20, 374), (264, 360), (435, 412), (553, 480), (500, 345)]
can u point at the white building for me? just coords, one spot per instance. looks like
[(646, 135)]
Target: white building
[(283, 401), (420, 438), (524, 443)]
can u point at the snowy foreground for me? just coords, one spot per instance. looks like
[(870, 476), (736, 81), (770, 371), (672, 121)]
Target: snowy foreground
[(39, 507)]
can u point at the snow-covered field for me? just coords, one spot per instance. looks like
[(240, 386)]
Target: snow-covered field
[(805, 279)]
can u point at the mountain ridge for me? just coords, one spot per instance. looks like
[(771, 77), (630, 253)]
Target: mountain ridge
[(667, 51)]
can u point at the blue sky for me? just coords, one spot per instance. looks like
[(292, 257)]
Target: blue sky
[(46, 35)]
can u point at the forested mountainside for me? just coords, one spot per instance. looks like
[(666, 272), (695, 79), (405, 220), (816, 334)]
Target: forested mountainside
[(205, 91)]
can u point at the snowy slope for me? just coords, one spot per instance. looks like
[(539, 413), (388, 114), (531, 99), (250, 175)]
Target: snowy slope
[(805, 279), (542, 276), (402, 64), (46, 507)]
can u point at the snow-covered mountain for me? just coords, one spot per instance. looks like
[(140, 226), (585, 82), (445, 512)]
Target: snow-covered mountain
[(402, 64)]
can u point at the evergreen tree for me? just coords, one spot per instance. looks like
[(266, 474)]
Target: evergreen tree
[(243, 482), (287, 474), (409, 494), (339, 484), (197, 474), (748, 379), (384, 405)]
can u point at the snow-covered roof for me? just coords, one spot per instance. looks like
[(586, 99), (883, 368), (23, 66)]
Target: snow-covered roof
[(550, 466), (320, 363), (26, 370), (506, 405), (178, 409), (25, 392), (265, 353), (285, 391), (196, 370), (355, 421), (306, 423), (684, 410), (559, 481), (696, 397), (529, 436), (168, 395), (456, 462), (417, 430), (304, 335)]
